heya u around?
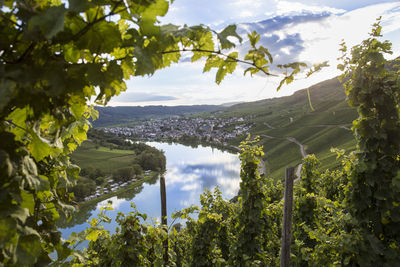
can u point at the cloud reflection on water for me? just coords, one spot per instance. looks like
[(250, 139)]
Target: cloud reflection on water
[(115, 203), (189, 172), (205, 171)]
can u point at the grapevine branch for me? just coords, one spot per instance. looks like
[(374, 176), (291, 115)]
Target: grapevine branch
[(221, 54)]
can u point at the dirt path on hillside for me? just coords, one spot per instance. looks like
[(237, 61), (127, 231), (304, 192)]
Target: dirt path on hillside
[(290, 139), (303, 154), (262, 167), (301, 146), (269, 125), (302, 151)]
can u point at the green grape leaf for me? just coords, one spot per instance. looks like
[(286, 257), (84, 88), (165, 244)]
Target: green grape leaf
[(226, 66), (18, 118), (144, 64), (225, 33), (202, 218), (7, 92), (8, 230), (28, 201), (21, 214), (78, 106), (78, 131), (39, 147), (149, 17), (212, 62), (71, 53), (148, 28), (108, 35), (266, 52), (254, 37), (50, 22), (93, 235), (63, 251), (252, 70), (78, 5), (29, 249)]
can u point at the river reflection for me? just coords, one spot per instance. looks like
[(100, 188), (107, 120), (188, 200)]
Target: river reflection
[(189, 172)]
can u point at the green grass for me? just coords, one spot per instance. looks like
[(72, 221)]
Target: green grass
[(116, 151), (102, 158)]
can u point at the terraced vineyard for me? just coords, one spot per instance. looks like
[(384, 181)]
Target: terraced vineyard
[(280, 119)]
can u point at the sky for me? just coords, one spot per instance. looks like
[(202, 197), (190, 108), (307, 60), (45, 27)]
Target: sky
[(298, 30)]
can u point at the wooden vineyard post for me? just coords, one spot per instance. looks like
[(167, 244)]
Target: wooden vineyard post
[(287, 218), (164, 217)]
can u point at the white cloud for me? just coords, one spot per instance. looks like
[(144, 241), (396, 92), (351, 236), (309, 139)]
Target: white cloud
[(245, 14), (229, 186), (248, 5), (116, 203), (285, 50), (285, 8), (322, 39)]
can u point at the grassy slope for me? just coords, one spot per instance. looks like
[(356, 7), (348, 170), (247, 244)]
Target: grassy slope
[(317, 130), (101, 158)]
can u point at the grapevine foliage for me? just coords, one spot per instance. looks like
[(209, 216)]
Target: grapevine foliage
[(55, 57), (373, 193)]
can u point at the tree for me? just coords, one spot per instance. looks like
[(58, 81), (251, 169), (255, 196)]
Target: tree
[(84, 187), (124, 174), (137, 170), (151, 160)]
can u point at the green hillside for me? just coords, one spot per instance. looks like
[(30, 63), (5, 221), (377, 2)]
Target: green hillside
[(89, 155), (108, 153), (328, 125)]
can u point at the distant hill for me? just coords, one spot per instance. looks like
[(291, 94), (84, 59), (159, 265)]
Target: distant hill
[(229, 104), (112, 116)]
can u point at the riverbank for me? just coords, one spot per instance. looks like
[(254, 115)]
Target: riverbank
[(150, 178)]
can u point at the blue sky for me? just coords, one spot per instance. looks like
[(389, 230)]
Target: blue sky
[(302, 30)]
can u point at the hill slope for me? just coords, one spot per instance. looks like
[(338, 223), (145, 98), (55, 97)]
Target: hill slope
[(281, 122)]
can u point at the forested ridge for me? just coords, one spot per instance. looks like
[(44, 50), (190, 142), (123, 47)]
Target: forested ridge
[(111, 116), (58, 56)]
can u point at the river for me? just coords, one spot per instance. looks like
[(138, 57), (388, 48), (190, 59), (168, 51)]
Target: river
[(189, 171)]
